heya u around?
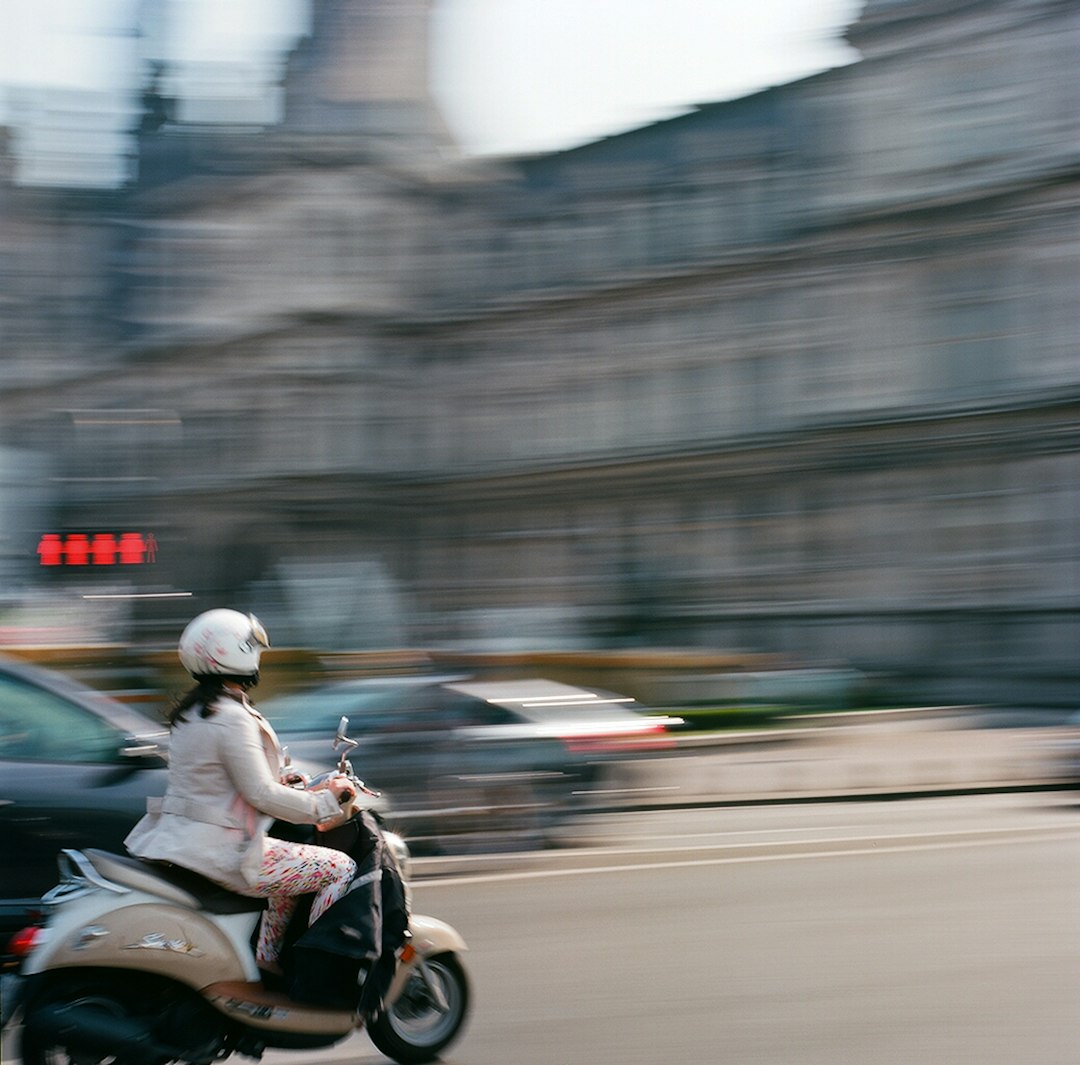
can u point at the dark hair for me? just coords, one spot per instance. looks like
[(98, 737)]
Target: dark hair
[(208, 686)]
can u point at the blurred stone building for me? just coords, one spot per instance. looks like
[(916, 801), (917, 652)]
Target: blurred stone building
[(794, 372)]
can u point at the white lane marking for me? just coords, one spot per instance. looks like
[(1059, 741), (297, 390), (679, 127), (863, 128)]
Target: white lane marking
[(1048, 826), (666, 846), (724, 833), (941, 842)]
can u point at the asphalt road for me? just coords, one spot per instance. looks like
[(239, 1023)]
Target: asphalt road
[(937, 931), (934, 931)]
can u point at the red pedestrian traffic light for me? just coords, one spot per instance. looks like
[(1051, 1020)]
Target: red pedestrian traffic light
[(50, 550), (98, 549)]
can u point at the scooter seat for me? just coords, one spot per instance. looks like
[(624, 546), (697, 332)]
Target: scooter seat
[(194, 889)]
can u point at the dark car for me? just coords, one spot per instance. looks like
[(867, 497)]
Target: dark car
[(76, 768), (468, 760)]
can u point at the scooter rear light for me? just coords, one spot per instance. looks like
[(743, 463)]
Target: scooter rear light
[(25, 940)]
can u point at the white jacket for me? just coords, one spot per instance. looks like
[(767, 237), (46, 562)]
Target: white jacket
[(223, 793)]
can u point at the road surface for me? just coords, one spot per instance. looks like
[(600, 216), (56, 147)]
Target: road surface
[(934, 931)]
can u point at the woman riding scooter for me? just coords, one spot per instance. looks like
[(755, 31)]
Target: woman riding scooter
[(225, 788)]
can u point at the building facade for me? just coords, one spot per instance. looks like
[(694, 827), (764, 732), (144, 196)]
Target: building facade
[(793, 373)]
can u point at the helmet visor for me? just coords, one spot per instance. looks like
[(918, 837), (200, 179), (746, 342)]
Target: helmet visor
[(258, 637)]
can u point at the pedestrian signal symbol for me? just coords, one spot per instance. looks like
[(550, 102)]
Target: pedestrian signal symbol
[(97, 549)]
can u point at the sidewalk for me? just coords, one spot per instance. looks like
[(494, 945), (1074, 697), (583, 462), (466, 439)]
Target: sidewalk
[(864, 755)]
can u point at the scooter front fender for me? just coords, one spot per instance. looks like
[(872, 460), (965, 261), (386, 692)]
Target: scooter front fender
[(430, 936)]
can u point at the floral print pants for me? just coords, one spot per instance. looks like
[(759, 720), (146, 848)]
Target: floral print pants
[(289, 870)]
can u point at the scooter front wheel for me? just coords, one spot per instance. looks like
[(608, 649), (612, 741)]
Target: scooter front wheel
[(427, 1016)]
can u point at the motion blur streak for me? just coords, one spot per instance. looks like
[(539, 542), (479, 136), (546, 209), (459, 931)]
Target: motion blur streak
[(992, 840), (791, 375)]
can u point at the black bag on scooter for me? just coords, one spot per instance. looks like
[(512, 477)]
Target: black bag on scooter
[(347, 958)]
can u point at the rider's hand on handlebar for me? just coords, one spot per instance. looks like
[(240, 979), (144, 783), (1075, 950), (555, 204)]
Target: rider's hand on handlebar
[(330, 782), (342, 789)]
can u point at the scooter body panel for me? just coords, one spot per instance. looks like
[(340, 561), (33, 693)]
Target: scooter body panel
[(145, 934)]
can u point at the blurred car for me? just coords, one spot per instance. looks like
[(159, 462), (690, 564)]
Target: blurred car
[(469, 760), (1060, 749), (76, 768)]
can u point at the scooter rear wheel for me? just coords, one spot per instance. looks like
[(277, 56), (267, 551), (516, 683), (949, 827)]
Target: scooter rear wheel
[(35, 1049), (416, 1027)]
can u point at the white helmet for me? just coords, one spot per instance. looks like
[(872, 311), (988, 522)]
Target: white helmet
[(224, 643)]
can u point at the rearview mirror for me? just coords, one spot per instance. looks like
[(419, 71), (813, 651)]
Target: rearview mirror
[(142, 753), (142, 749), (342, 737)]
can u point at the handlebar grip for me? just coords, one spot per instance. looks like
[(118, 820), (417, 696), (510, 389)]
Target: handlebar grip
[(346, 797)]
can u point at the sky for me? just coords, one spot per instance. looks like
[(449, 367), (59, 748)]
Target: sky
[(523, 75), (510, 76)]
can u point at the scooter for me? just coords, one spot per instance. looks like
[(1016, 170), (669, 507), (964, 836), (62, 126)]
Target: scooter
[(143, 964)]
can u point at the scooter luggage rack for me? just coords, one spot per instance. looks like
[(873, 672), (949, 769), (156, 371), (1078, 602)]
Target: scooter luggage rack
[(77, 877)]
